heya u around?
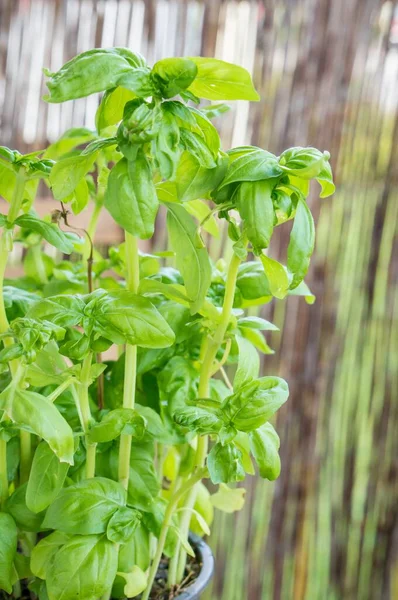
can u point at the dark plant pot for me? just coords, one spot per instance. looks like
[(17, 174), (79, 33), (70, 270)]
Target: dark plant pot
[(206, 558)]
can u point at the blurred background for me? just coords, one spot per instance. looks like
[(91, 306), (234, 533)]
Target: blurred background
[(327, 73)]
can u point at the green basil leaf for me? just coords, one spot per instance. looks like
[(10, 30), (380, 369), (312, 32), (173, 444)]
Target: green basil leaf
[(220, 80), (136, 551), (257, 323), (110, 110), (325, 179), (301, 244), (85, 507), (8, 548), (122, 525), (46, 478), (85, 567), (49, 231), (193, 262), (192, 181), (196, 145), (131, 196), (303, 290), (172, 75), (80, 198), (65, 311), (124, 317), (252, 282), (154, 423), (32, 411), (116, 422), (264, 444), (278, 280), (253, 164), (138, 81), (178, 381), (143, 480), (201, 211), (45, 550), (17, 301), (227, 499), (249, 362), (92, 71), (256, 338), (23, 517), (67, 173), (197, 419), (306, 163), (255, 402), (72, 138), (254, 203), (225, 464), (213, 111), (136, 581), (166, 147)]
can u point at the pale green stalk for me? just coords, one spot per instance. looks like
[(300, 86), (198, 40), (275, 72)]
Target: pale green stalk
[(130, 373), (212, 346), (84, 405)]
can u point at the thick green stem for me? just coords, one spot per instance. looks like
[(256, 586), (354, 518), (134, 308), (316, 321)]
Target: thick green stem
[(211, 348), (172, 505), (85, 413), (130, 372)]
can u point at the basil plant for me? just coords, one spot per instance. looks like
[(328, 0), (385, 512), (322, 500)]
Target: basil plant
[(130, 381)]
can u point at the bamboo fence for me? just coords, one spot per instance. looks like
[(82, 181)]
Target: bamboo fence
[(327, 74)]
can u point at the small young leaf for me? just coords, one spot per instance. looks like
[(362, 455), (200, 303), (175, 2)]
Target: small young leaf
[(249, 362), (264, 444), (278, 280), (301, 244), (193, 262), (136, 581), (228, 499), (255, 402), (254, 164), (122, 525), (67, 174), (225, 464), (172, 75), (116, 422), (254, 203)]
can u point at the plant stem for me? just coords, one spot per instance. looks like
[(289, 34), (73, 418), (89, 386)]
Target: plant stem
[(130, 372), (5, 248), (26, 456), (61, 388), (3, 473), (86, 413), (197, 476), (211, 348)]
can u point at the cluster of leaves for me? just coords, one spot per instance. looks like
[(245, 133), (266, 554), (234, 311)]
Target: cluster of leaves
[(88, 476)]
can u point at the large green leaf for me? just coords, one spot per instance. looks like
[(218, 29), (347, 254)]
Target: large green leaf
[(51, 232), (8, 548), (131, 196), (255, 402), (46, 478), (124, 317), (83, 568), (225, 464), (192, 260), (220, 80), (45, 550), (85, 507), (252, 164), (32, 411), (92, 71)]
